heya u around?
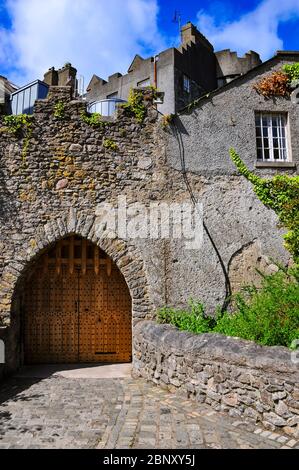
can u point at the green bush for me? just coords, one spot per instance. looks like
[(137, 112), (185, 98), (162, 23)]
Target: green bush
[(193, 319), (268, 315)]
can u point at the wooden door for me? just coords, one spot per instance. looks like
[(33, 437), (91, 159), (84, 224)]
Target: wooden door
[(77, 307)]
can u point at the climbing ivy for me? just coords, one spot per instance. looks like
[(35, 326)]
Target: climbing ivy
[(292, 71), (135, 105), (110, 144), (20, 125), (280, 193), (17, 124), (93, 119), (59, 110)]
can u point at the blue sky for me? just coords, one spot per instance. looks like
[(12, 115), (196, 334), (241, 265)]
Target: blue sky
[(102, 37)]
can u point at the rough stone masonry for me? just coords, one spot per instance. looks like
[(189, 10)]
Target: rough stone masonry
[(53, 180), (244, 379)]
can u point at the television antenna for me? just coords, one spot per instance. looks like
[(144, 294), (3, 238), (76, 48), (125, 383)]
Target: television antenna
[(177, 18)]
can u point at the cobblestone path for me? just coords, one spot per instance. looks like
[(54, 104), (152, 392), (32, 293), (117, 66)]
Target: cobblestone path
[(59, 412)]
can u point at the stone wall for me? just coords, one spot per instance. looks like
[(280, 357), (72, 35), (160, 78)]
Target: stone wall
[(232, 375), (53, 182)]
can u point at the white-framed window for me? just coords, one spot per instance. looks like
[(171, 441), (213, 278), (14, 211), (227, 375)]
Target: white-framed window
[(271, 136), (186, 83)]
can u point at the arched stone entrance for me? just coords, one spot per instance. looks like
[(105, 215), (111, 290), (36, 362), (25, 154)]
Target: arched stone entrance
[(76, 307), (125, 255)]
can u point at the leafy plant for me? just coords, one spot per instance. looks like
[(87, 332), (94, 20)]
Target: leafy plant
[(110, 144), (135, 105), (17, 123), (20, 125), (281, 193), (59, 110), (93, 119), (193, 319), (275, 84), (292, 71), (268, 315)]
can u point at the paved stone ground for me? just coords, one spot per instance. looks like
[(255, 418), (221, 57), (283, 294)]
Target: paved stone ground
[(59, 412)]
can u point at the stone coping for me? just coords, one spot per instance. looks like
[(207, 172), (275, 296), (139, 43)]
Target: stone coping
[(218, 347)]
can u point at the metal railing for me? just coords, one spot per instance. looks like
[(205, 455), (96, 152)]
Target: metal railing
[(105, 107)]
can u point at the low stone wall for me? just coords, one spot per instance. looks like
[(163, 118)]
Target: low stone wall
[(240, 377)]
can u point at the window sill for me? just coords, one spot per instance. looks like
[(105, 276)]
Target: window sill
[(275, 165)]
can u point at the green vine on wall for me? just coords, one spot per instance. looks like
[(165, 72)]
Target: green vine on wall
[(280, 193), (110, 144), (135, 105), (16, 124), (59, 110), (292, 71), (21, 126), (93, 119)]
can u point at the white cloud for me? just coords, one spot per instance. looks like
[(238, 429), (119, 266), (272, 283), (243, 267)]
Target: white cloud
[(96, 36), (256, 30)]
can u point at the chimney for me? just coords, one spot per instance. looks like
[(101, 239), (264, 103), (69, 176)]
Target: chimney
[(51, 77), (67, 76), (189, 33)]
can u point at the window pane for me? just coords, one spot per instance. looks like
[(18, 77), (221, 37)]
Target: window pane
[(266, 154), (266, 143), (265, 131), (276, 154), (275, 132), (186, 83), (259, 142), (275, 143), (259, 154), (275, 121), (283, 143), (258, 131)]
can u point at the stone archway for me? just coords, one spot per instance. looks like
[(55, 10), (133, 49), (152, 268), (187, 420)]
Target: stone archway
[(125, 255)]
